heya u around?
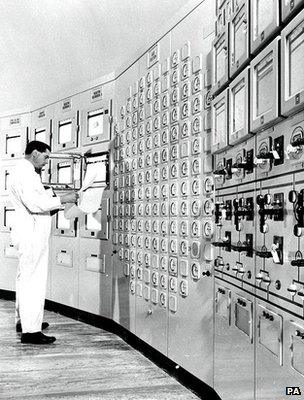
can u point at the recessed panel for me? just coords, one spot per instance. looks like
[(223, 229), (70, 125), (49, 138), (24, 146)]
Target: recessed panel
[(264, 22), (264, 77), (292, 66)]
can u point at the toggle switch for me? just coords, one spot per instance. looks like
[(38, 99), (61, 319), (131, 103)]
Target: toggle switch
[(263, 253), (292, 289)]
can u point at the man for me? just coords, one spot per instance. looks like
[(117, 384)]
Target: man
[(30, 235)]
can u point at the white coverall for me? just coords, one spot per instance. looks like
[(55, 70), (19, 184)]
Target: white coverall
[(30, 235)]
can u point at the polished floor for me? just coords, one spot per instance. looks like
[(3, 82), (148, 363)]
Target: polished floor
[(84, 363)]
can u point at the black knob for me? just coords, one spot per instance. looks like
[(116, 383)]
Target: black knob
[(249, 275), (298, 262), (297, 231), (267, 198), (278, 285), (292, 196), (260, 199)]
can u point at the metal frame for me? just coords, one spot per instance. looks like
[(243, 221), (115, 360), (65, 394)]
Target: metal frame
[(243, 133), (256, 41), (102, 108), (268, 58), (290, 103), (240, 16)]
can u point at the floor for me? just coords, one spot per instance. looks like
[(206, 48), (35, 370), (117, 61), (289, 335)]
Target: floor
[(84, 363)]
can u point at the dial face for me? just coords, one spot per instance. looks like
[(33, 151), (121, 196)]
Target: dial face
[(195, 208), (208, 207), (197, 125), (183, 288), (208, 229), (185, 129), (165, 101), (184, 248), (185, 168), (197, 83), (195, 229), (208, 185), (185, 90), (195, 271), (173, 265), (184, 188), (185, 110), (196, 166), (195, 187), (173, 227), (186, 70), (184, 208), (184, 228)]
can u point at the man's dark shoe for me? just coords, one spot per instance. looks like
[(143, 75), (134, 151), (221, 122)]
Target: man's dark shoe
[(44, 325), (37, 338)]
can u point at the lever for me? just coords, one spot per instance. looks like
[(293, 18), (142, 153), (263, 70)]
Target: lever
[(277, 210), (298, 261), (263, 253), (297, 198), (247, 166), (225, 243), (240, 247), (220, 172)]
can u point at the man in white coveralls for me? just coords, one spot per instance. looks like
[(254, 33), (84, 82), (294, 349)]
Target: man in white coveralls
[(30, 235)]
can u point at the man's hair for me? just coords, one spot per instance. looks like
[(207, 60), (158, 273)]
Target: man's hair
[(36, 145)]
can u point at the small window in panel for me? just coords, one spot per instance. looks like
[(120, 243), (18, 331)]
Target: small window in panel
[(219, 123), (40, 135), (95, 123), (239, 46), (270, 331), (295, 60), (238, 106), (220, 62), (239, 43), (242, 320), (238, 127), (9, 217), (65, 131), (264, 81), (6, 180), (292, 65), (243, 316), (61, 221), (64, 173), (220, 58), (264, 95), (13, 145), (290, 7)]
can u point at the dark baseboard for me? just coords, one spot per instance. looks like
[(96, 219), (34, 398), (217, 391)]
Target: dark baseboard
[(201, 389)]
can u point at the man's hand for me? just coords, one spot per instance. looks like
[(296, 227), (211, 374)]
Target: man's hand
[(70, 197)]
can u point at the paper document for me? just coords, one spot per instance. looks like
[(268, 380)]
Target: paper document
[(89, 197)]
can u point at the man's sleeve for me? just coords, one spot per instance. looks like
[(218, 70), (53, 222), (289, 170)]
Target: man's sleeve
[(34, 197)]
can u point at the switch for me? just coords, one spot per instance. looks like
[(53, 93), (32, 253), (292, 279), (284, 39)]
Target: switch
[(278, 149), (277, 250)]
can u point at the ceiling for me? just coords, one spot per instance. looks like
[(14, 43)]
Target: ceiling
[(47, 47)]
